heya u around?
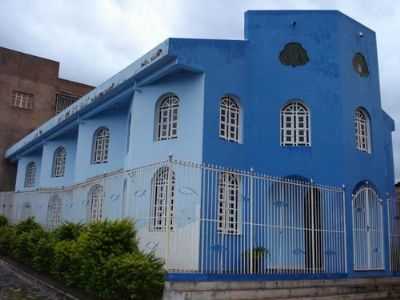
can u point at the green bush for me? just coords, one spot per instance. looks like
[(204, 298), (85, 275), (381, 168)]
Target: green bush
[(101, 241), (66, 263), (68, 231), (27, 226), (102, 258), (134, 276), (3, 221), (43, 253), (25, 244), (7, 240)]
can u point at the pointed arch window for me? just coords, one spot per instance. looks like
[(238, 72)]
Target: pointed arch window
[(167, 118), (163, 196), (229, 119), (362, 130), (54, 212), (30, 174), (101, 143), (95, 203), (295, 125), (59, 158), (228, 203)]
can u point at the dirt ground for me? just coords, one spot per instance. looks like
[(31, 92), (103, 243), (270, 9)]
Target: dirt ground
[(13, 288)]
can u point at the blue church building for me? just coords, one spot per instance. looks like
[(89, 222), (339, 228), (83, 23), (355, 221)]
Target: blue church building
[(269, 156)]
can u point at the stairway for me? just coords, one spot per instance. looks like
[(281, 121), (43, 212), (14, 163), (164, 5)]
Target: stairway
[(333, 289)]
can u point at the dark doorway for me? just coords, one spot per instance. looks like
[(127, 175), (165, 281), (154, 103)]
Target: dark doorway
[(313, 231)]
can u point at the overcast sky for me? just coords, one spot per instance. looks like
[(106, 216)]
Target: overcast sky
[(94, 39)]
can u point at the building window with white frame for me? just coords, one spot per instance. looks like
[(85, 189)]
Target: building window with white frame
[(163, 196), (101, 143), (228, 203), (229, 119), (167, 118), (22, 100), (295, 125), (54, 212), (362, 130), (30, 175), (59, 159), (95, 203)]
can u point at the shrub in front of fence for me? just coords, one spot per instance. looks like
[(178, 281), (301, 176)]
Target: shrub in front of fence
[(3, 221), (102, 258)]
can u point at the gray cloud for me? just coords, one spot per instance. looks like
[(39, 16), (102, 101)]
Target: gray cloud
[(94, 39)]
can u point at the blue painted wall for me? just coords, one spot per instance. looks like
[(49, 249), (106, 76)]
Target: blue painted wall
[(144, 148), (251, 71), (21, 171), (116, 122), (46, 179)]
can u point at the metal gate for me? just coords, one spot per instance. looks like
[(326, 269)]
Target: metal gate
[(367, 230)]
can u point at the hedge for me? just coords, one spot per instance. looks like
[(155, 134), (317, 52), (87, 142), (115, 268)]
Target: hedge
[(102, 258)]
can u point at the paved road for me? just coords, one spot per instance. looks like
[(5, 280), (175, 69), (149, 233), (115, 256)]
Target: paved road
[(13, 288)]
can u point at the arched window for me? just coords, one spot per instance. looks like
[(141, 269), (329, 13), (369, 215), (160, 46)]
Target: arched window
[(95, 203), (59, 162), (228, 203), (295, 125), (30, 174), (229, 119), (167, 118), (163, 196), (54, 212), (101, 142), (362, 130)]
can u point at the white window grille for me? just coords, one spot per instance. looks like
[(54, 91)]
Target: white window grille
[(163, 196), (229, 119), (30, 174), (168, 118), (59, 162), (95, 203), (22, 100), (228, 203), (295, 125), (101, 142), (362, 130), (54, 212)]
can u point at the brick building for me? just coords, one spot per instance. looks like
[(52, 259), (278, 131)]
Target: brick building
[(31, 92)]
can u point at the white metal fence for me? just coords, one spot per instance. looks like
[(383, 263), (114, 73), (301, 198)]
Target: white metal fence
[(231, 221), (209, 219), (394, 233)]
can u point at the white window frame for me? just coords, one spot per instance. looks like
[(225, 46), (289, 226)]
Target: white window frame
[(30, 175), (168, 117), (163, 198), (229, 119), (59, 159), (54, 212), (362, 130), (95, 203), (22, 100), (295, 125), (229, 207), (101, 144)]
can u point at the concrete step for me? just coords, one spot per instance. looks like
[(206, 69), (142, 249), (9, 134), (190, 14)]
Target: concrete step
[(339, 289)]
